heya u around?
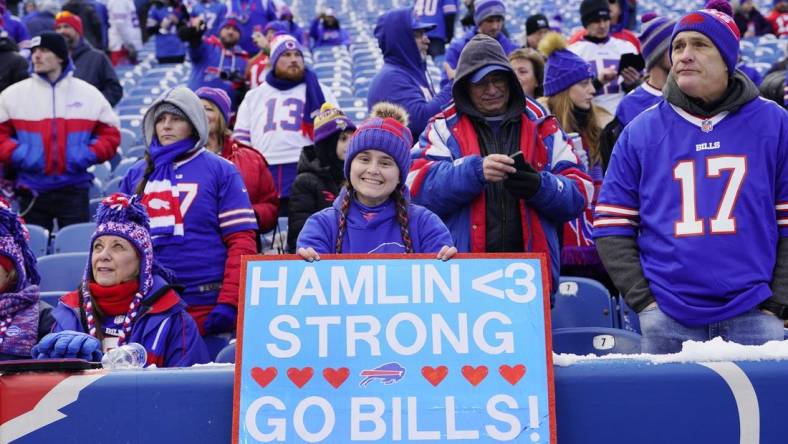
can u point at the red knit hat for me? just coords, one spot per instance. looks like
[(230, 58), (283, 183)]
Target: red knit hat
[(69, 19)]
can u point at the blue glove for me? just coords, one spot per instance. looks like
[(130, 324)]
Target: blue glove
[(221, 319), (68, 344)]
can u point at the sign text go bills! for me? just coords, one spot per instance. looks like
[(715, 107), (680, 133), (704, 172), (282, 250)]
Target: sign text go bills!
[(394, 348)]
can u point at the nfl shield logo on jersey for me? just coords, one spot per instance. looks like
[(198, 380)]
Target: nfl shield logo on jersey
[(706, 126)]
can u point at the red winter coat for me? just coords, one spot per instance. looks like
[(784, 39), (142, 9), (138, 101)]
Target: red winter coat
[(258, 180)]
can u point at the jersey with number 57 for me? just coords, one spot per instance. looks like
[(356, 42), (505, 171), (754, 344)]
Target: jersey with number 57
[(214, 204), (707, 200)]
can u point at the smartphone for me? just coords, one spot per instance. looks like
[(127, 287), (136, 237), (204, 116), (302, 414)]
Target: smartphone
[(631, 60), (519, 161)]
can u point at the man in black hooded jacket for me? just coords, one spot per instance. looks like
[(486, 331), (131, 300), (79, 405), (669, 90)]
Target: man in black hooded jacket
[(13, 67)]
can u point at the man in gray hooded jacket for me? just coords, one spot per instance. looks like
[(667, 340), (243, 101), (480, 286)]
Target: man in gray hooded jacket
[(494, 166)]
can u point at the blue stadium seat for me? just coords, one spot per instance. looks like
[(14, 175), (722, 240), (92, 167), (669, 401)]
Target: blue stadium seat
[(127, 136), (61, 272), (95, 188), (73, 238), (94, 203), (39, 239), (51, 297), (101, 171), (582, 302), (113, 185), (137, 151), (124, 166), (215, 344), (629, 320), (227, 355), (595, 340)]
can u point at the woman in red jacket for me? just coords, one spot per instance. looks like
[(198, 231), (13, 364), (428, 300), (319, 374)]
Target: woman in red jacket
[(250, 163)]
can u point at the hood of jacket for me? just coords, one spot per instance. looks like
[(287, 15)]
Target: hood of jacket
[(741, 90), (394, 32), (308, 162), (186, 101), (481, 51), (82, 47), (7, 44)]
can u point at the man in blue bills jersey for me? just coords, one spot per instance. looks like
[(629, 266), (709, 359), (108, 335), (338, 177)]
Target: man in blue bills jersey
[(693, 214)]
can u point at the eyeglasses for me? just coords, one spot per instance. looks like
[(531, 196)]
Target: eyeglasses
[(499, 81)]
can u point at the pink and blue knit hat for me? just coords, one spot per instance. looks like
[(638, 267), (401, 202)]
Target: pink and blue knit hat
[(719, 27), (382, 134)]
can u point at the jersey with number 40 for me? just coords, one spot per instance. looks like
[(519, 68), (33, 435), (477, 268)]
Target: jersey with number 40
[(707, 200), (270, 120)]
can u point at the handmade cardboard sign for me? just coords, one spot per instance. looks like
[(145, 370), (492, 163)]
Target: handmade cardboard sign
[(394, 348)]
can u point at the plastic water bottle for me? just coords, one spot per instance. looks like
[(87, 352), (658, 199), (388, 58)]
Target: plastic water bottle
[(125, 357)]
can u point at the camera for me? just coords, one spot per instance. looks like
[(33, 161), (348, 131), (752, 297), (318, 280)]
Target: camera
[(232, 76)]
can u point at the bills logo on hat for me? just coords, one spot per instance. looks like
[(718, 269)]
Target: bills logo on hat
[(290, 44)]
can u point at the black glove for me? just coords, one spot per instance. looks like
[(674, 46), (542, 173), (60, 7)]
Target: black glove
[(524, 183)]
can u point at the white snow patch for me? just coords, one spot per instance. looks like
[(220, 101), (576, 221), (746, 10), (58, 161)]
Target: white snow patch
[(716, 350)]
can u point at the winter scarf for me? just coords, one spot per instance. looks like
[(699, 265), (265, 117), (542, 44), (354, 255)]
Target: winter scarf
[(160, 195)]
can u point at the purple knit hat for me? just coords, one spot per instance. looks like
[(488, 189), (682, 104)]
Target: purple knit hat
[(14, 246), (655, 37), (484, 9), (218, 97), (719, 27), (387, 135), (564, 68), (331, 120), (123, 216), (282, 43)]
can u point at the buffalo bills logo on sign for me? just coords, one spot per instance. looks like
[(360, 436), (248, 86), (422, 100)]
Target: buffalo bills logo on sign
[(706, 126), (388, 374)]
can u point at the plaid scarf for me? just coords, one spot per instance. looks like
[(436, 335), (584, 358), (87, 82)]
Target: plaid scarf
[(160, 195)]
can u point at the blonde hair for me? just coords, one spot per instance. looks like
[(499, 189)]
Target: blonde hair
[(561, 106), (537, 61)]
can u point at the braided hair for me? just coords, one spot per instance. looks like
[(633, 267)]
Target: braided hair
[(343, 217)]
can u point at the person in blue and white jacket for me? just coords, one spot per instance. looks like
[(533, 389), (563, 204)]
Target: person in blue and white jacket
[(464, 172), (373, 212), (201, 219), (124, 296), (54, 126)]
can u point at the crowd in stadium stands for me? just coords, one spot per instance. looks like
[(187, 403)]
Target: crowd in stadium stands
[(636, 149)]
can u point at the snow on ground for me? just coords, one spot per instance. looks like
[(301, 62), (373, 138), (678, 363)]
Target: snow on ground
[(715, 350)]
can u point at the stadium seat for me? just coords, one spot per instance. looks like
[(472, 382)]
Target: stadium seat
[(51, 297), (94, 203), (73, 238), (127, 137), (227, 355), (113, 185), (595, 340), (137, 151), (582, 302), (215, 344), (95, 188), (39, 239), (629, 320), (61, 272), (101, 171), (123, 167)]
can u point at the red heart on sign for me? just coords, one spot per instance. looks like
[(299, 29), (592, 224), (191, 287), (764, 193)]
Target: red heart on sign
[(474, 375), (512, 374), (263, 377), (434, 375), (300, 376), (336, 377)]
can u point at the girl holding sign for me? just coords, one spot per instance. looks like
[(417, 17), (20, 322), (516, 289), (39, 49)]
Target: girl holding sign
[(373, 212)]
